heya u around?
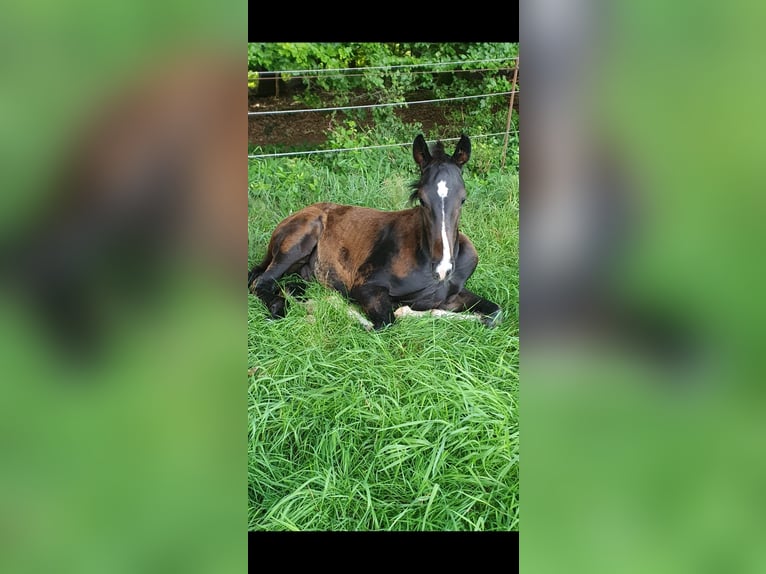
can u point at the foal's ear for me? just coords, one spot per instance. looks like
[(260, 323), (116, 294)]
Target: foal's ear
[(420, 151), (462, 151)]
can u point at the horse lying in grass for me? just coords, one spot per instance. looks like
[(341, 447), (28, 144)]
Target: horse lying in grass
[(386, 261)]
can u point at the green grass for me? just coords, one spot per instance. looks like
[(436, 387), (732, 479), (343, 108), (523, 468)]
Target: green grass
[(414, 427)]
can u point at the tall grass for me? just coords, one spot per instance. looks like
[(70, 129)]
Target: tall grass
[(414, 427)]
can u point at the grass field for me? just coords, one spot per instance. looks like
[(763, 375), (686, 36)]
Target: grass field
[(414, 427)]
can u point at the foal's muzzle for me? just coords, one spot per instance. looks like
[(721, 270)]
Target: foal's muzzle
[(443, 272)]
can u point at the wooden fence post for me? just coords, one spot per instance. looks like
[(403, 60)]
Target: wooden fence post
[(510, 111)]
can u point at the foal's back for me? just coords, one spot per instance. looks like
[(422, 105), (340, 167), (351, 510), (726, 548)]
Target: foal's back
[(337, 242)]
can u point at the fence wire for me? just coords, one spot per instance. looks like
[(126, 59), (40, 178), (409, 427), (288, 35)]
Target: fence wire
[(390, 67), (368, 106), (507, 69), (506, 133), (381, 146)]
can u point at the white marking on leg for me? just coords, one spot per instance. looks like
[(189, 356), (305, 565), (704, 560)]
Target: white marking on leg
[(366, 323), (407, 311), (403, 311), (444, 266)]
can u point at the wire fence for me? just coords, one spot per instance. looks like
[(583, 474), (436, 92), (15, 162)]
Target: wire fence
[(317, 72), (308, 76), (383, 105), (381, 146), (391, 67)]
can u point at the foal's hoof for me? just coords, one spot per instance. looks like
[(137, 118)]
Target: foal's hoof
[(493, 319), (277, 308), (252, 277)]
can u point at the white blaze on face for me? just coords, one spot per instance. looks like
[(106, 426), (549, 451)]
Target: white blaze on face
[(445, 266)]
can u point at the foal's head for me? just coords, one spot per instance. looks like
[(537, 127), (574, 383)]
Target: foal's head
[(441, 193)]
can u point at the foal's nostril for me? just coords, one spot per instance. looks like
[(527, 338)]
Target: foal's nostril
[(443, 272)]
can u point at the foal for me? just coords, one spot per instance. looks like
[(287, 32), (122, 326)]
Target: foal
[(384, 260)]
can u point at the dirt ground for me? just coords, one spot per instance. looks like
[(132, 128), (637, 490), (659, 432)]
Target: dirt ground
[(310, 127)]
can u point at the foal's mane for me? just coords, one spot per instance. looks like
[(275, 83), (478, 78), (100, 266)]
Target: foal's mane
[(437, 152)]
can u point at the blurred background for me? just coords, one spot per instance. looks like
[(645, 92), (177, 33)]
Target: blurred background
[(641, 315), (122, 265)]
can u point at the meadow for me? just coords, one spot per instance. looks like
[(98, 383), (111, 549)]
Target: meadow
[(414, 427)]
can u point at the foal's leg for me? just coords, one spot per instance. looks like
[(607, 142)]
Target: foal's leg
[(295, 289), (491, 314), (376, 304), (465, 300), (290, 247), (266, 287)]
